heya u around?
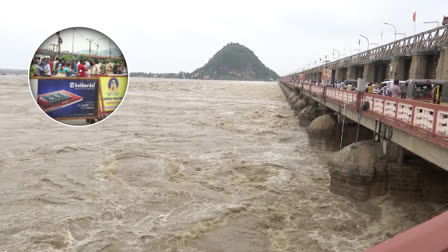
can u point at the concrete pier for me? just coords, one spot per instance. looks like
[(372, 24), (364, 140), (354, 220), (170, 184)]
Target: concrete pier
[(359, 171), (321, 132)]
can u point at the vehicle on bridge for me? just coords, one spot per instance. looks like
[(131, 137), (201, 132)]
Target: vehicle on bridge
[(350, 84), (389, 83), (432, 91)]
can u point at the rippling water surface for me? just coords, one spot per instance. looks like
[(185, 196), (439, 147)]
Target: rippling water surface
[(183, 165)]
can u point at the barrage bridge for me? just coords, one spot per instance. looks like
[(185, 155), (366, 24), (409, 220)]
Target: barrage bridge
[(419, 127)]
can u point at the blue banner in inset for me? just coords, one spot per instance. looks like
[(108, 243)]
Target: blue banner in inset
[(64, 98)]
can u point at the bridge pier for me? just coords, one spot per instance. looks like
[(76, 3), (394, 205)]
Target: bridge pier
[(290, 95), (294, 99), (351, 133), (300, 104), (416, 179), (322, 132), (397, 69), (369, 72), (370, 168), (442, 66), (418, 67), (359, 171), (341, 74), (351, 73), (309, 113)]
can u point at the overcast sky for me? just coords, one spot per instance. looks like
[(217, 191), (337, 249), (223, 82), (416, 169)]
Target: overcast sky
[(173, 36)]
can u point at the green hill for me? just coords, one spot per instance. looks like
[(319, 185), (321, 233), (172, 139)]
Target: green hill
[(234, 62)]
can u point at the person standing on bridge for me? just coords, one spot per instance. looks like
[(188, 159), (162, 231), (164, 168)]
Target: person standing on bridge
[(369, 88), (395, 91), (384, 90)]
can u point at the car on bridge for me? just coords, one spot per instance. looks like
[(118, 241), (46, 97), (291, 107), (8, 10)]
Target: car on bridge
[(389, 83), (350, 84)]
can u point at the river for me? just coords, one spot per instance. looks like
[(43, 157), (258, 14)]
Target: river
[(183, 165)]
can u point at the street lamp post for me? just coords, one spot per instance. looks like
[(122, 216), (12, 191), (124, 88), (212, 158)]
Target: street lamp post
[(395, 29), (339, 54), (368, 43)]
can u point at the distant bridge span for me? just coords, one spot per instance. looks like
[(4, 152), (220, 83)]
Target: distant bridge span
[(421, 56)]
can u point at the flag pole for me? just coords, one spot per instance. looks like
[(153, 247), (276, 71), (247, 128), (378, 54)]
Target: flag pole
[(414, 18)]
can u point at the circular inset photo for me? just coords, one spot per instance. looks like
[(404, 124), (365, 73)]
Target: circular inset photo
[(78, 76)]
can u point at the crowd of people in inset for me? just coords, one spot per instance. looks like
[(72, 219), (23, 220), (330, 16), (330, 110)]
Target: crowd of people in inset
[(60, 67)]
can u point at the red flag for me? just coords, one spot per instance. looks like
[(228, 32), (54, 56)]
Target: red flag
[(325, 56), (414, 16)]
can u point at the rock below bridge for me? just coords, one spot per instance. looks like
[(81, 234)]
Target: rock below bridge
[(322, 132), (299, 105), (308, 114), (358, 171), (294, 100), (291, 96)]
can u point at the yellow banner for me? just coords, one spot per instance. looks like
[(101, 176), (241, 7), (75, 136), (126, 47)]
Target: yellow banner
[(113, 89), (326, 75)]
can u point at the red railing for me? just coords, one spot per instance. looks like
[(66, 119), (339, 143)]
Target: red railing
[(425, 120)]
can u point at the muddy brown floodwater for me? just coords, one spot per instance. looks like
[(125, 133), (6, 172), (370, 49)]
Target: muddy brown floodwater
[(183, 165)]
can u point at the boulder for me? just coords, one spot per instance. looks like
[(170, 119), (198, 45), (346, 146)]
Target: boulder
[(322, 132), (306, 98), (299, 105), (359, 171), (308, 114), (323, 125), (294, 100), (291, 96), (323, 108)]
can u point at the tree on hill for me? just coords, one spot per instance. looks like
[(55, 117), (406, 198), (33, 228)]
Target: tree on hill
[(234, 62)]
